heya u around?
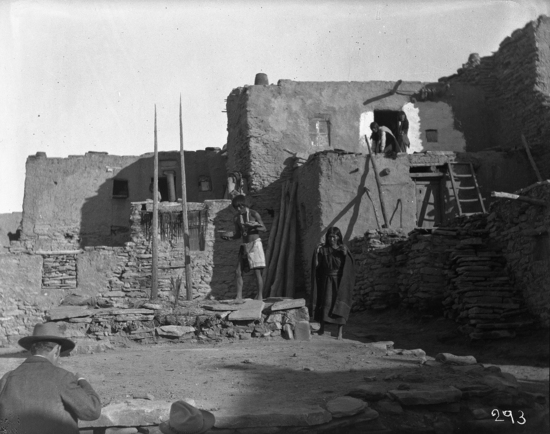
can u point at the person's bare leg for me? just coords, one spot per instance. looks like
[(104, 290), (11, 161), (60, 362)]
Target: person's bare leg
[(260, 284), (340, 332), (239, 280), (322, 328)]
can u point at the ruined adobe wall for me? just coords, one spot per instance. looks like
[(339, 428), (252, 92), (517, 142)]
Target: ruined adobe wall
[(69, 202), (31, 283), (10, 223), (515, 81)]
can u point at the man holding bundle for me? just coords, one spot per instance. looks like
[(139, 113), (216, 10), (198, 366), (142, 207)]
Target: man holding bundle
[(248, 225)]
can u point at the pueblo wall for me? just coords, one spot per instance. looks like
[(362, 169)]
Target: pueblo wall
[(10, 224), (516, 84), (263, 121), (69, 202)]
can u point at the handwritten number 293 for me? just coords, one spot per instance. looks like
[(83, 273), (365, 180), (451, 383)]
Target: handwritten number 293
[(508, 413)]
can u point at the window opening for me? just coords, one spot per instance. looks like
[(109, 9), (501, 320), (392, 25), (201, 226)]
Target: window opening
[(204, 183), (431, 136), (319, 131), (120, 188)]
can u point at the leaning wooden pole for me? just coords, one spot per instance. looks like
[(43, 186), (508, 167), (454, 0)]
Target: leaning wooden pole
[(533, 164), (378, 184), (155, 234), (188, 276), (272, 266), (277, 288), (291, 259)]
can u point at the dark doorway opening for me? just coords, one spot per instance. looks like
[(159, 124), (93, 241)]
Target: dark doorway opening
[(387, 118), (163, 189)]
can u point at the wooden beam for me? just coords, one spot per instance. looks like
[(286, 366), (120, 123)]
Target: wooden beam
[(187, 248), (539, 178), (378, 184), (155, 234), (502, 195)]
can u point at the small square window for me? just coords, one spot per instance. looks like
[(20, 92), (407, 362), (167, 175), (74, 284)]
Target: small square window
[(204, 183), (120, 188), (319, 132), (431, 136)]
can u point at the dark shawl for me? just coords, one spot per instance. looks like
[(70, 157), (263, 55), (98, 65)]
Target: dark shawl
[(344, 299)]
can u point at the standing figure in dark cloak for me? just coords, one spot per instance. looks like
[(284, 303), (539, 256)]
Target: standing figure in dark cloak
[(332, 281)]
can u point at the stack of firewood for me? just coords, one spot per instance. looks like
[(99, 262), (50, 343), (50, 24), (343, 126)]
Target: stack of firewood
[(281, 249)]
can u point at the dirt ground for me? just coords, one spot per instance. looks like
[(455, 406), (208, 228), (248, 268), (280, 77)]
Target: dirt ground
[(257, 373)]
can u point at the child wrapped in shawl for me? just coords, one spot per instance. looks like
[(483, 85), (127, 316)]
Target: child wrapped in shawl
[(332, 281)]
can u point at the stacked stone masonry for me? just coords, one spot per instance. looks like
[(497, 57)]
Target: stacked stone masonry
[(516, 81)]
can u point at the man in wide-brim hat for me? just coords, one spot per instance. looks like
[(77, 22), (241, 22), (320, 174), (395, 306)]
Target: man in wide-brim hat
[(39, 396), (186, 419)]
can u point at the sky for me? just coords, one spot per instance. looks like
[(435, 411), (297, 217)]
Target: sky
[(79, 76)]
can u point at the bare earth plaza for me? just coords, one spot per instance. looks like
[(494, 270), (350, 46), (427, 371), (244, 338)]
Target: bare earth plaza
[(391, 240)]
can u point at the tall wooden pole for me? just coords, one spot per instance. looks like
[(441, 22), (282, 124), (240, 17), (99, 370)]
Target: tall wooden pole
[(188, 277), (535, 168), (154, 235), (378, 184)]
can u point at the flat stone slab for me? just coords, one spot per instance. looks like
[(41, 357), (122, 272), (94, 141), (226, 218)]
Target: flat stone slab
[(174, 331), (345, 406), (66, 312), (298, 415), (370, 392), (135, 412), (387, 406), (288, 304), (251, 310), (427, 396), (302, 331)]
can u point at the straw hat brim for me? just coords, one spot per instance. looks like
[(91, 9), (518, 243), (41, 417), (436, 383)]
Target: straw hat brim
[(208, 422), (66, 344)]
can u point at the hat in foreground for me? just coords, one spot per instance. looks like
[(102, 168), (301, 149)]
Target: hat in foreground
[(47, 332), (186, 419)]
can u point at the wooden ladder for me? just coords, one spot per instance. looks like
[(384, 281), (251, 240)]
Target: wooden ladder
[(466, 177)]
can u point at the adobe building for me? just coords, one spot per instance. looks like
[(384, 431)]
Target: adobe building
[(85, 200), (86, 219)]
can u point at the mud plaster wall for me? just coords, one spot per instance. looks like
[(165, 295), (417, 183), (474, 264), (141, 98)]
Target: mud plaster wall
[(69, 202), (265, 120), (22, 299), (9, 224)]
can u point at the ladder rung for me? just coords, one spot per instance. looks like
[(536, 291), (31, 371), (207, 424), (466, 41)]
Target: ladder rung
[(468, 200), (467, 188), (462, 176)]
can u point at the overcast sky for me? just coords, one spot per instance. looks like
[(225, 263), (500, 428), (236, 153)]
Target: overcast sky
[(80, 76)]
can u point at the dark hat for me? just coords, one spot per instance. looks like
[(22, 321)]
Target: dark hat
[(186, 419), (47, 332)]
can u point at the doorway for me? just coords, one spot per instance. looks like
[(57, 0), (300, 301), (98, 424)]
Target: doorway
[(387, 118)]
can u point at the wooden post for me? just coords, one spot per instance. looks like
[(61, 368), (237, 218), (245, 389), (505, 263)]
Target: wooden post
[(527, 199), (277, 245), (382, 204), (291, 257), (277, 288), (539, 178), (270, 242), (154, 235), (188, 276)]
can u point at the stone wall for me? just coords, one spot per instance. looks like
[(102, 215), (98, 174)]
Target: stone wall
[(522, 231), (70, 202), (487, 271), (515, 81), (119, 277)]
